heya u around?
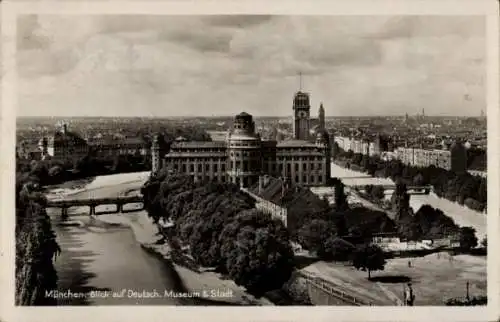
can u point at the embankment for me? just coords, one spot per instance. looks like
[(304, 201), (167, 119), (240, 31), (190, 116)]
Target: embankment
[(35, 249), (211, 284)]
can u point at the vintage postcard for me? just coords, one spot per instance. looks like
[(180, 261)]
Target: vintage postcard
[(320, 161)]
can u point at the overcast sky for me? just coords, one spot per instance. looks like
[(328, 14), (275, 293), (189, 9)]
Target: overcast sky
[(222, 65)]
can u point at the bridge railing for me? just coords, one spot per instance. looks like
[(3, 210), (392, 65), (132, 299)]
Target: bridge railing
[(93, 201), (330, 289)]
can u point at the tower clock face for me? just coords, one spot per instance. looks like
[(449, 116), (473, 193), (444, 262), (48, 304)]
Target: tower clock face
[(302, 114)]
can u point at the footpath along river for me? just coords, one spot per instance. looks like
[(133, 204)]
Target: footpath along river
[(105, 263)]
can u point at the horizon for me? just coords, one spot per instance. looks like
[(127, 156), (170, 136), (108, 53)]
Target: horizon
[(232, 116)]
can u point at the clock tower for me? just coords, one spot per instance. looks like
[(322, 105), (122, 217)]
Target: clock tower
[(301, 116)]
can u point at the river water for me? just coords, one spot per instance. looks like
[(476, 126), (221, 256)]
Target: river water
[(460, 214), (105, 263)]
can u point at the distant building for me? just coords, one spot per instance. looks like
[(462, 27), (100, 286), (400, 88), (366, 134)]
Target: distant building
[(362, 145), (244, 156), (454, 159), (418, 157), (125, 146), (65, 144)]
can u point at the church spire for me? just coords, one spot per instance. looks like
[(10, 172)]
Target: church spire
[(321, 117)]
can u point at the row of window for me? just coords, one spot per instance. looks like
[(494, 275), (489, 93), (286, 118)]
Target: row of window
[(294, 158), (245, 154), (199, 150), (246, 166), (239, 144), (211, 159), (199, 168), (304, 180), (265, 159), (305, 167)]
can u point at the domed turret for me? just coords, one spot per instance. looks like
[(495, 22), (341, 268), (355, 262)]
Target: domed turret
[(244, 151), (244, 124)]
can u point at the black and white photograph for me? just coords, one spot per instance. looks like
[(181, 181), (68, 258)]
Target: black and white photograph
[(251, 160)]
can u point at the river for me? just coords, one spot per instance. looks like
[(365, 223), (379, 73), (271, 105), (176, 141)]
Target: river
[(104, 261), (460, 214)]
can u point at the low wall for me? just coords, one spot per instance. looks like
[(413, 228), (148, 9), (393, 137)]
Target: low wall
[(323, 292)]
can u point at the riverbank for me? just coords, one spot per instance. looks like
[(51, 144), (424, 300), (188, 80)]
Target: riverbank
[(211, 284), (462, 215), (83, 187)]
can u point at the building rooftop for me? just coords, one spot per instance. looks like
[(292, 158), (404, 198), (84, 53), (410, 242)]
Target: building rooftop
[(199, 144), (244, 114), (60, 137), (295, 196), (113, 142), (295, 143)]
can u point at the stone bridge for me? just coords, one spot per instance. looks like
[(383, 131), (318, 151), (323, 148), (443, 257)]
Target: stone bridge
[(92, 203)]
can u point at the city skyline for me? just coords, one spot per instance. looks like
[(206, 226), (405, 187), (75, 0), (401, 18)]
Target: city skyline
[(219, 65)]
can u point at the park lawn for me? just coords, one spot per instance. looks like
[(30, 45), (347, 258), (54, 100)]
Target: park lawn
[(434, 278)]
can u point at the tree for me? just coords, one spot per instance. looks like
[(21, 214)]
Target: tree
[(257, 252), (418, 180), (468, 239), (484, 242), (400, 201), (482, 192), (40, 171), (314, 236), (35, 244), (357, 158), (340, 196), (372, 166), (409, 228), (378, 192), (338, 249), (335, 150), (365, 162), (368, 258)]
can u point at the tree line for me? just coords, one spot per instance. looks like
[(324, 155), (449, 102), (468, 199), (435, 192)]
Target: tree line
[(463, 188), (223, 230), (36, 246)]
